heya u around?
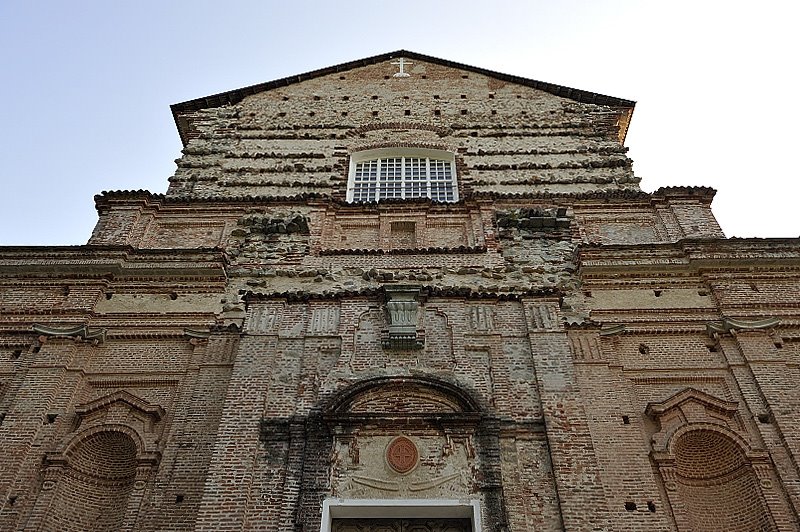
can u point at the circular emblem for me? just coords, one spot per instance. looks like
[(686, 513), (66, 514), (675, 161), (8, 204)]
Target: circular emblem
[(402, 454)]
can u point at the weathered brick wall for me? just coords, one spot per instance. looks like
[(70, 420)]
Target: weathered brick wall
[(296, 139), (581, 348)]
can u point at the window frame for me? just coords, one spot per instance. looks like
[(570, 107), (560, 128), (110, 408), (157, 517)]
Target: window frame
[(401, 182)]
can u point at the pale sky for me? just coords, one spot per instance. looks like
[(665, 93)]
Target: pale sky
[(86, 87)]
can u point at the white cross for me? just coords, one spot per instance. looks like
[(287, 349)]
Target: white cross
[(402, 63)]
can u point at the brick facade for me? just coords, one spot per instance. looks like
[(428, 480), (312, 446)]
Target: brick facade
[(558, 347)]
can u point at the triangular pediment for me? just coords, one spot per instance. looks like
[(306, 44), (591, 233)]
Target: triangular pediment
[(688, 397), (132, 402), (182, 111)]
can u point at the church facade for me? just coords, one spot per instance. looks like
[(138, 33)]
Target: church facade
[(398, 294)]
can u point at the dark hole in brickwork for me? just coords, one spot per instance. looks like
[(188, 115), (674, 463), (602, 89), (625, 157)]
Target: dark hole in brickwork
[(494, 112), (408, 112), (657, 293), (316, 97), (424, 76), (764, 418), (37, 348), (651, 506), (437, 112), (385, 77), (491, 96), (643, 349), (778, 345), (2, 417), (173, 296), (179, 498), (12, 500), (435, 96), (16, 353), (345, 98), (285, 98), (465, 76), (51, 418), (342, 77), (312, 113), (374, 113), (712, 348), (463, 111), (630, 506), (281, 114), (702, 292), (109, 295), (405, 97), (626, 420), (344, 113), (463, 96), (65, 290), (374, 97)]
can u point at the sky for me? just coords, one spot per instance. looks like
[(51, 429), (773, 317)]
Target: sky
[(86, 87)]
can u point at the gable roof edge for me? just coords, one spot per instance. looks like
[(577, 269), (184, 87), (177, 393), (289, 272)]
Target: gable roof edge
[(235, 96)]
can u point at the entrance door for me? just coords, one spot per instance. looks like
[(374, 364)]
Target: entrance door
[(402, 525)]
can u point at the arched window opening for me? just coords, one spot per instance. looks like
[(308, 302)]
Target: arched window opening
[(717, 484), (94, 490), (402, 173)]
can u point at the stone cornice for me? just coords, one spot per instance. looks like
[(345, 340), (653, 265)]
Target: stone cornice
[(106, 199), (115, 261)]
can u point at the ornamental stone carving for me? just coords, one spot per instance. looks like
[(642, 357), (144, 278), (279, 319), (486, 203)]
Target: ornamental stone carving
[(402, 307)]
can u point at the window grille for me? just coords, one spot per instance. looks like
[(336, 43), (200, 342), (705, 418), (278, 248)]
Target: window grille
[(402, 177)]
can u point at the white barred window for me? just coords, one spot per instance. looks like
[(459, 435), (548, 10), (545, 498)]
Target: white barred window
[(391, 173)]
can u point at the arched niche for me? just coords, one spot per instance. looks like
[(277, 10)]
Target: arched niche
[(713, 476), (96, 479)]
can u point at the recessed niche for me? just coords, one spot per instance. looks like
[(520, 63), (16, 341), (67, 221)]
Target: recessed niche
[(626, 420), (630, 506), (651, 506), (644, 349)]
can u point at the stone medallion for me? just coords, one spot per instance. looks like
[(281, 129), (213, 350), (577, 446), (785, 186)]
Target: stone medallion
[(402, 455)]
